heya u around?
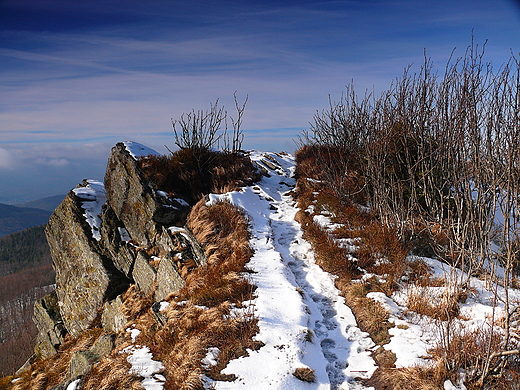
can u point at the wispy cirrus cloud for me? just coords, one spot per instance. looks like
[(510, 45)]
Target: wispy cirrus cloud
[(77, 74)]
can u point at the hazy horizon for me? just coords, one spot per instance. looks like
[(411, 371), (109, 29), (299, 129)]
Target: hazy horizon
[(78, 77)]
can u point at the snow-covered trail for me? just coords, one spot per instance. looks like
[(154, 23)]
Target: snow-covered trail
[(302, 319)]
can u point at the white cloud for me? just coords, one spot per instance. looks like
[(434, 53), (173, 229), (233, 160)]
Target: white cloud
[(56, 162), (6, 159)]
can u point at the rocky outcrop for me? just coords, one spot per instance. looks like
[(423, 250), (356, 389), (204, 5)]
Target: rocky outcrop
[(104, 239), (134, 200), (85, 278)]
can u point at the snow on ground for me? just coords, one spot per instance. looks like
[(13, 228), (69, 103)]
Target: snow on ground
[(302, 319), (142, 362), (92, 197), (137, 150)]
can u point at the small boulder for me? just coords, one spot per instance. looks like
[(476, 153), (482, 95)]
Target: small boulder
[(112, 317)]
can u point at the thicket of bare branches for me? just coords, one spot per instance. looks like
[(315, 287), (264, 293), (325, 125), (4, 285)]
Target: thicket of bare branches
[(438, 156), (205, 130)]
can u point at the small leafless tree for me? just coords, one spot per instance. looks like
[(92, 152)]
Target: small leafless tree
[(235, 144), (199, 130)]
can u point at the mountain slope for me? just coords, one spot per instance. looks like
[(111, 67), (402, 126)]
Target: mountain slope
[(310, 329), (13, 218), (304, 322), (49, 203)]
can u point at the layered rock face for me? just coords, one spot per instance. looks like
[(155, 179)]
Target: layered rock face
[(102, 240)]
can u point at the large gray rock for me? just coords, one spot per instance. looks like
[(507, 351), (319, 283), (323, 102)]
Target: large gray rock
[(85, 278), (98, 252), (135, 201), (168, 278), (51, 330)]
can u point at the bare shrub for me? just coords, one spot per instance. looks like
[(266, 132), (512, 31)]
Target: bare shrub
[(437, 157)]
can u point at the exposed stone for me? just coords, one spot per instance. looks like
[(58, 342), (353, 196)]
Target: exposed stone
[(184, 242), (159, 317), (82, 361), (50, 325), (144, 274), (84, 277), (114, 241), (168, 279), (135, 201), (103, 346), (137, 238), (112, 318)]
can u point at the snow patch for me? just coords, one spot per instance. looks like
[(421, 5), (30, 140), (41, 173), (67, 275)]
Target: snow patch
[(143, 365), (303, 321), (73, 385), (92, 197), (137, 150)]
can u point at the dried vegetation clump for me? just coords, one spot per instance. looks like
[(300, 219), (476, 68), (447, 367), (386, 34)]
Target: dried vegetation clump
[(208, 311), (190, 173), (305, 374)]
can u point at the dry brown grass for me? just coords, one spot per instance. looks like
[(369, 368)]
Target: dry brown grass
[(305, 374), (211, 292), (438, 308), (329, 255), (409, 378), (223, 231), (135, 303), (370, 315), (51, 371), (201, 315), (327, 163), (190, 173), (110, 373)]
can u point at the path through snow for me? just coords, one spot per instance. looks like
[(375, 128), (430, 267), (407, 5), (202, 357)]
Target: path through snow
[(302, 319)]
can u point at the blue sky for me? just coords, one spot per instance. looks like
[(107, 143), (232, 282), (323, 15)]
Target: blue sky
[(77, 77)]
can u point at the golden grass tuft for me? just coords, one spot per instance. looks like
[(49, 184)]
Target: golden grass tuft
[(305, 374), (112, 372), (439, 308), (370, 315), (409, 378)]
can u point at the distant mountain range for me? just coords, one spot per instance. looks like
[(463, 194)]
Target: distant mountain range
[(49, 203), (37, 212)]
